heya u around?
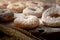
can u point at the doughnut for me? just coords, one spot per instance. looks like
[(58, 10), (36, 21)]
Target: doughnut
[(16, 7), (51, 17), (6, 15), (33, 11), (3, 5), (34, 4), (26, 22)]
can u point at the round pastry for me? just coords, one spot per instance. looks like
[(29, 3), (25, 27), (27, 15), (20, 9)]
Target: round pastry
[(3, 5), (34, 4), (51, 17), (33, 11), (6, 15), (16, 7), (26, 22)]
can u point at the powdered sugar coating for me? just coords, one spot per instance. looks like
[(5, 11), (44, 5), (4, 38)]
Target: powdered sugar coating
[(46, 17), (16, 7), (33, 11), (26, 22)]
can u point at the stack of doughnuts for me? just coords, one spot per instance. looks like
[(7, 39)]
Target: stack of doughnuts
[(34, 14), (20, 6), (41, 14)]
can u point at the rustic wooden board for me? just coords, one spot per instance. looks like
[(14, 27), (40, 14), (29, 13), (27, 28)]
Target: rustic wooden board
[(16, 34), (36, 33)]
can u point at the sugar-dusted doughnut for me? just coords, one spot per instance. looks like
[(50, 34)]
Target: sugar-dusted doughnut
[(33, 11), (51, 17), (26, 22), (16, 7)]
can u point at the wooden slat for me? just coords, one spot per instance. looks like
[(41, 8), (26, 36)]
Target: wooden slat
[(11, 25), (14, 33)]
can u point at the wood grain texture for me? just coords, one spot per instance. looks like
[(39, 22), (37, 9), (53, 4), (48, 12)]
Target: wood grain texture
[(14, 33)]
